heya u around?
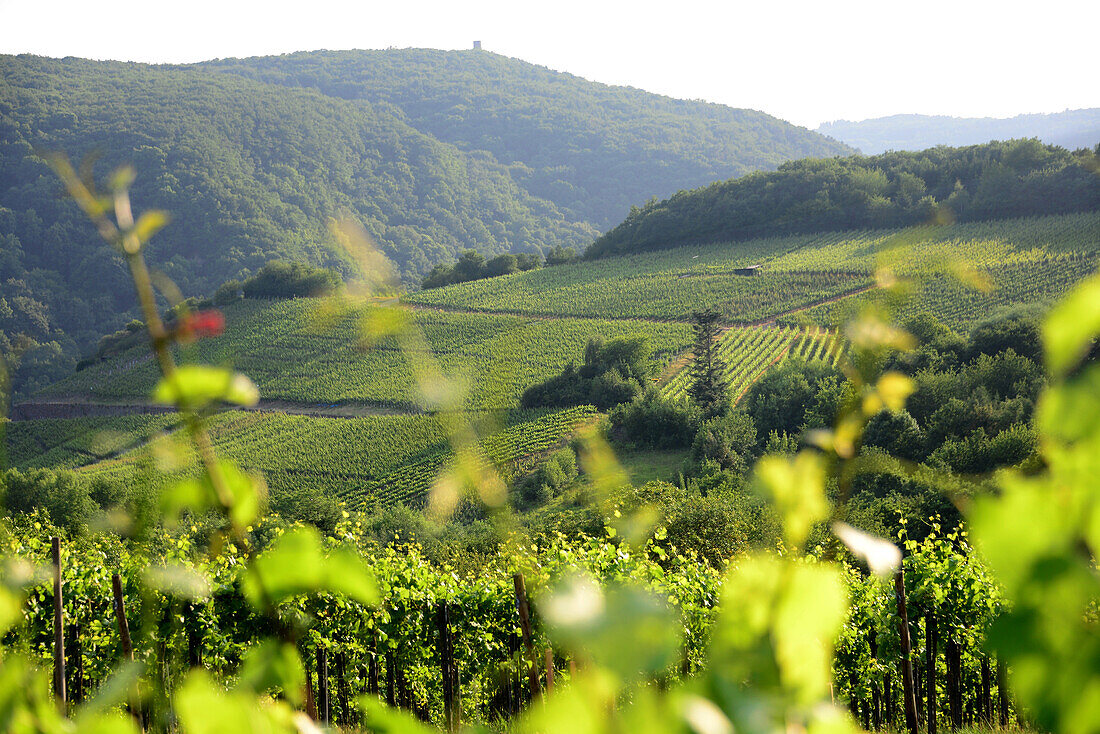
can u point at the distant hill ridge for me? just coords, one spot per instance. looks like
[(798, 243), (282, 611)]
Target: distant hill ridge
[(592, 149), (433, 152), (1070, 129)]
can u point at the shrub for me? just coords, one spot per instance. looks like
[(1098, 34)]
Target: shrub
[(280, 279), (651, 421)]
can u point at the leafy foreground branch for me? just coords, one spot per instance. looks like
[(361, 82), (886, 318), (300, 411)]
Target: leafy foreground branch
[(233, 616)]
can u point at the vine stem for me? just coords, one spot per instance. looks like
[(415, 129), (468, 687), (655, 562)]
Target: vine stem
[(160, 339)]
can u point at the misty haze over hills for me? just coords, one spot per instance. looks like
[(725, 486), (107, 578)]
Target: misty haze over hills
[(1070, 129)]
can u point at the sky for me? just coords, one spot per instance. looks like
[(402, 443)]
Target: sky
[(807, 62)]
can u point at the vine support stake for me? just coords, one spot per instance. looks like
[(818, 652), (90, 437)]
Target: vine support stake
[(525, 627), (1002, 691), (311, 704), (342, 688), (120, 615), (986, 704), (372, 669), (906, 650), (77, 690), (322, 686), (451, 696), (58, 625), (931, 641), (549, 671), (391, 679)]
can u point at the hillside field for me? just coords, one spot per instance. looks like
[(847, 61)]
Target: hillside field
[(493, 338)]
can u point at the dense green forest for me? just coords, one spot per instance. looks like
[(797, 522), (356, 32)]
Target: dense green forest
[(252, 170), (593, 150), (1010, 179), (1070, 129)]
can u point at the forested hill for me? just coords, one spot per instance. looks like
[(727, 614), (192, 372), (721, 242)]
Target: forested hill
[(1010, 179), (592, 149), (434, 152), (1070, 129), (249, 172)]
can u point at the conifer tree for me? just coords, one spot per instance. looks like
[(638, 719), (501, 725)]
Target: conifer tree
[(709, 389)]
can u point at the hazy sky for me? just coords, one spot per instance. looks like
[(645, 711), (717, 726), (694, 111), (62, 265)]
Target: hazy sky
[(807, 62)]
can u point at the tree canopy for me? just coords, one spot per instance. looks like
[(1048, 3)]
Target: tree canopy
[(1011, 179)]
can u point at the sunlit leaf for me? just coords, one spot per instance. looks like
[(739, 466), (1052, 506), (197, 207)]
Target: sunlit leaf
[(204, 708), (195, 386), (273, 666), (797, 487), (296, 564), (628, 630), (1072, 325), (121, 178), (148, 224)]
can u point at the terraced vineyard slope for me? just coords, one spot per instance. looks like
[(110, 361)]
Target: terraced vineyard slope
[(749, 351), (1021, 261)]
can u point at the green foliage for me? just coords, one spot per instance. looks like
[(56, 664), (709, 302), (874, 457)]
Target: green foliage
[(551, 477), (1009, 179), (613, 372), (279, 279), (280, 345), (708, 388), (792, 397), (652, 421), (728, 440), (472, 265), (588, 162)]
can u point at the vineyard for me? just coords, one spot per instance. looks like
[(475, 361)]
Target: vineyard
[(369, 462), (291, 355), (1038, 256), (477, 663), (67, 443), (749, 351)]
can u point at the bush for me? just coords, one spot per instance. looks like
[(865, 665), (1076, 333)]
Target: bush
[(547, 481), (280, 279), (61, 494), (729, 441), (613, 372), (650, 421)]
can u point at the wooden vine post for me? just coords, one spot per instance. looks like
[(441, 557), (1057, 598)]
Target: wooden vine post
[(525, 627), (120, 615), (391, 679), (311, 703), (342, 687), (931, 641), (549, 670), (910, 703), (194, 636), (77, 690), (954, 682), (451, 695), (58, 625), (876, 694), (322, 686), (1002, 691), (372, 670), (987, 693), (124, 638)]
